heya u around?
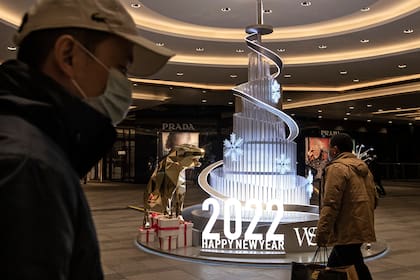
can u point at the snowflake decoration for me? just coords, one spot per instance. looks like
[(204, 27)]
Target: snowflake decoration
[(283, 164), (275, 91), (233, 147), (364, 154)]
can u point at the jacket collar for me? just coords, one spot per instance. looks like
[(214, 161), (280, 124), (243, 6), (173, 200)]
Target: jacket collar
[(84, 134)]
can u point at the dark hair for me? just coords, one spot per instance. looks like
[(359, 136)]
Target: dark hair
[(35, 47), (343, 142)]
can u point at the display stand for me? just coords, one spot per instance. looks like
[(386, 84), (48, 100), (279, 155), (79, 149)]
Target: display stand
[(291, 254)]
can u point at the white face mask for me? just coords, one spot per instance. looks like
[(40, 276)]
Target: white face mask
[(116, 99)]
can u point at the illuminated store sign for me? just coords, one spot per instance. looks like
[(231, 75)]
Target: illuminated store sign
[(177, 126), (329, 133)]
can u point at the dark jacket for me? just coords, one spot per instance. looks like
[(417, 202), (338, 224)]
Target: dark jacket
[(347, 214), (49, 139)]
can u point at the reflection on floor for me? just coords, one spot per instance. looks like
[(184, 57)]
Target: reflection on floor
[(397, 222)]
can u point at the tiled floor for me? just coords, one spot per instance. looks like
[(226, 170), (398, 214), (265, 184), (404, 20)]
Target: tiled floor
[(397, 222)]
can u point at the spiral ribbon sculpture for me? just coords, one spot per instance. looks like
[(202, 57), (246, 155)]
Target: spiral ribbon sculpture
[(240, 90)]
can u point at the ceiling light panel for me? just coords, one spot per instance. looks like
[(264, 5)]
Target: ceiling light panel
[(247, 9)]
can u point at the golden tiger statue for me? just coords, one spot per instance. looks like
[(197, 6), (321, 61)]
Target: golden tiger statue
[(165, 191)]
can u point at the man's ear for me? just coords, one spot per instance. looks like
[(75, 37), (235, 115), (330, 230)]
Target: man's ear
[(64, 51)]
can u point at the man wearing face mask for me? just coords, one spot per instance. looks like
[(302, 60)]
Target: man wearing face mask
[(347, 214), (59, 103)]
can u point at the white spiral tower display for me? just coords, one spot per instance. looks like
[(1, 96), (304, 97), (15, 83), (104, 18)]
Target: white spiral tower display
[(259, 160)]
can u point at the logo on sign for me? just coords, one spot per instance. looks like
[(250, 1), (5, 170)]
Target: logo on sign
[(306, 235), (178, 126)]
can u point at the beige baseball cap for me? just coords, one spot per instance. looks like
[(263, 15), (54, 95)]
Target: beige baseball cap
[(103, 15)]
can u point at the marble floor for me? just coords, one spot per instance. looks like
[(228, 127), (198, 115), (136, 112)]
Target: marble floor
[(397, 222)]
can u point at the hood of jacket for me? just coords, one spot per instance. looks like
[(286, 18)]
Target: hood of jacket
[(83, 134), (351, 160)]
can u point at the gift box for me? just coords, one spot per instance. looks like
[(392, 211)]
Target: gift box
[(185, 235), (154, 217), (168, 243), (146, 235), (167, 226)]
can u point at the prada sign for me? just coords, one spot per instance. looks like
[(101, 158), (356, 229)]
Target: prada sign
[(177, 126)]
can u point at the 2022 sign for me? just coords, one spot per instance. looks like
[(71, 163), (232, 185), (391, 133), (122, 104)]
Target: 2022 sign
[(233, 208)]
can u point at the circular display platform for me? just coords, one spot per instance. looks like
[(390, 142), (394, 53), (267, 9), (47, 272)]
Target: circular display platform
[(291, 253), (195, 254)]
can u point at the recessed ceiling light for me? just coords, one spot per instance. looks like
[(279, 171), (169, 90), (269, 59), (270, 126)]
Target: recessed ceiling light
[(268, 11), (366, 9), (364, 41), (10, 48), (230, 102), (289, 99), (204, 91), (319, 117), (322, 47), (380, 110), (345, 119), (293, 114), (203, 100), (389, 121), (356, 80), (402, 66), (351, 107), (239, 50), (225, 9), (234, 76), (135, 5), (160, 44), (369, 120), (398, 108), (171, 88), (408, 31), (344, 72), (135, 84), (281, 50), (319, 111), (180, 74), (306, 3), (287, 75), (199, 49), (348, 114), (410, 123), (369, 105)]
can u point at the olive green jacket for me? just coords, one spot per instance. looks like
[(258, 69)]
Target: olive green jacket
[(349, 200)]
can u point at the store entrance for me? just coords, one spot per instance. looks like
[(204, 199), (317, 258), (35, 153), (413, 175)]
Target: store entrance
[(121, 161)]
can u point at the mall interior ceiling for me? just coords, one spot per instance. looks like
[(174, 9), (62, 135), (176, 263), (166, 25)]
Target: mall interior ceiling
[(342, 60)]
